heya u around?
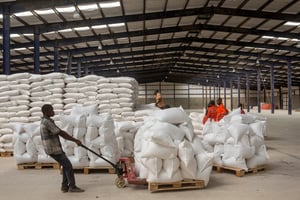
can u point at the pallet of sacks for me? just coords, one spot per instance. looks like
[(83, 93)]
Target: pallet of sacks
[(28, 150), (169, 155), (238, 143), (96, 131)]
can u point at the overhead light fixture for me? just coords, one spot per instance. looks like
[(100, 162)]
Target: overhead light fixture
[(51, 32), (116, 25), (206, 80), (289, 23), (99, 26), (118, 71), (268, 37), (66, 9), (24, 14), (65, 30), (111, 62), (14, 35), (88, 7), (44, 12), (76, 15), (170, 72), (218, 76), (257, 61), (282, 38), (233, 70), (99, 46), (84, 28), (20, 49), (28, 34), (110, 4)]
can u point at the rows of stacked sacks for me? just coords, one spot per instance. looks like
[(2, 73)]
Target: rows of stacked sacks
[(22, 96)]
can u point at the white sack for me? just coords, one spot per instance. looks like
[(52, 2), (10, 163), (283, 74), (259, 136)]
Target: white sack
[(171, 115)]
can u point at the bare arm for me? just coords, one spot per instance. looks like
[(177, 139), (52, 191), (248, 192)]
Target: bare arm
[(69, 137)]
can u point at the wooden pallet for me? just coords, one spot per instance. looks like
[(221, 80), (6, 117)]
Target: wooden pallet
[(47, 165), (6, 154), (180, 185), (88, 170), (38, 165), (240, 172)]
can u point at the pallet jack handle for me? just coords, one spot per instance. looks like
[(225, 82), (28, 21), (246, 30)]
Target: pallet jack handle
[(118, 169)]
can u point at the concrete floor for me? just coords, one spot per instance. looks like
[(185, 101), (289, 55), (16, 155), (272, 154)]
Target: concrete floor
[(280, 181)]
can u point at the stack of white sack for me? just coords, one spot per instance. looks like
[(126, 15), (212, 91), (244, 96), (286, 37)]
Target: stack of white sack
[(80, 91), (100, 137), (14, 104), (237, 140), (6, 136), (74, 125), (117, 96), (143, 111), (25, 150), (167, 150), (125, 132), (46, 89), (196, 118)]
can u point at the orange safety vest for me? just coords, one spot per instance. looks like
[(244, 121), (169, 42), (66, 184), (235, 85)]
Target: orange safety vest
[(210, 114), (221, 112)]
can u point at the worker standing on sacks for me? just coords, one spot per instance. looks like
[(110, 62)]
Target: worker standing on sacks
[(211, 112), (221, 111), (159, 100), (50, 139)]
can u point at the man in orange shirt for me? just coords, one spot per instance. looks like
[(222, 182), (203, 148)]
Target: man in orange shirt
[(211, 112), (221, 111)]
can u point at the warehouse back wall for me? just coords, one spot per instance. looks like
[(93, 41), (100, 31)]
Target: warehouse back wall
[(197, 96)]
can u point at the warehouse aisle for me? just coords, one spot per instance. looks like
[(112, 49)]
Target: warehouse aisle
[(280, 181)]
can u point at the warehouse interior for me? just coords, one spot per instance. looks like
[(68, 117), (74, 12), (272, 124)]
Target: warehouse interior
[(244, 51), (247, 45)]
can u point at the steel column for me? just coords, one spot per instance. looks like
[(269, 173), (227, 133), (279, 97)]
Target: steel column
[(289, 88), (239, 90), (69, 64), (56, 69), (272, 89), (247, 93), (189, 96), (231, 95), (79, 69), (258, 91), (86, 70), (36, 51), (214, 87), (203, 97), (6, 40), (224, 93)]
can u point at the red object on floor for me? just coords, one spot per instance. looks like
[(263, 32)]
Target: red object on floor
[(266, 106)]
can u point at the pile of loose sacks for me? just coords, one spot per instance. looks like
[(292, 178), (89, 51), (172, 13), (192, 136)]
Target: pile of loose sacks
[(237, 140)]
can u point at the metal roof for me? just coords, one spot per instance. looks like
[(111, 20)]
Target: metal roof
[(186, 41)]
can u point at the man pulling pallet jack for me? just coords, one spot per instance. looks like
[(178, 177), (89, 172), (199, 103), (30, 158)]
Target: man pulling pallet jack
[(50, 139)]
